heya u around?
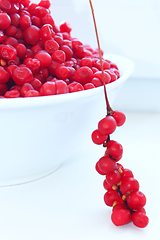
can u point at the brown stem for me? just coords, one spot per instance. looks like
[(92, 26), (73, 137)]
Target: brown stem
[(108, 107)]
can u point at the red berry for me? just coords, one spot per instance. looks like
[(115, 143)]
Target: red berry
[(107, 125), (5, 21), (121, 216), (119, 117), (48, 88), (65, 27), (140, 219), (106, 185), (62, 72), (32, 93), (129, 184), (44, 58), (98, 138), (106, 164), (61, 87), (3, 89), (127, 173), (83, 75), (12, 94), (59, 56), (75, 87), (32, 35), (25, 88), (99, 75), (111, 196), (115, 149), (88, 86), (8, 52), (113, 178), (22, 75), (136, 200)]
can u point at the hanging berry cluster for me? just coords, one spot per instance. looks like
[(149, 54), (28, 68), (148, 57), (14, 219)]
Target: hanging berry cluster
[(122, 188)]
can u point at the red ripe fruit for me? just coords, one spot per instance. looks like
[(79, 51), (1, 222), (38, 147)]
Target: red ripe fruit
[(127, 173), (61, 87), (5, 20), (113, 178), (22, 75), (4, 75), (106, 164), (48, 88), (129, 184), (98, 170), (119, 117), (121, 216), (140, 219), (136, 200), (75, 87), (106, 185), (44, 58), (98, 138), (107, 125), (83, 75), (115, 149), (8, 52), (32, 35), (111, 196)]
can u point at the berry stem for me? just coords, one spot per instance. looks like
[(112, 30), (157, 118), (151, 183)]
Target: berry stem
[(108, 107)]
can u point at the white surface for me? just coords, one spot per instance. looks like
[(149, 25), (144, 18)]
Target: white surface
[(69, 203), (39, 132)]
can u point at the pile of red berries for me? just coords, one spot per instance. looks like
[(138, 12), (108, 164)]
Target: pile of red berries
[(38, 58), (122, 188)]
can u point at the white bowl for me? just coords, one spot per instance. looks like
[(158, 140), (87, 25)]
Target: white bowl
[(39, 134)]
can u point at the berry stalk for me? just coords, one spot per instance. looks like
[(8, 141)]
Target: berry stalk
[(108, 107)]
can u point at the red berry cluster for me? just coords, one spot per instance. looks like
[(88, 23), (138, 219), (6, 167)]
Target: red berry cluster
[(122, 188), (38, 58)]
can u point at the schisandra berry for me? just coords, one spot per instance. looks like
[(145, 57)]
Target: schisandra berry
[(115, 149), (136, 200), (107, 125), (119, 117), (98, 138), (140, 219), (112, 196), (114, 177), (129, 184), (121, 216), (106, 164)]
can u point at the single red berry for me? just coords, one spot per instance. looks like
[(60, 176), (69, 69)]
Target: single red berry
[(83, 75), (25, 88), (98, 138), (8, 52), (129, 184), (5, 20), (65, 27), (136, 200), (62, 72), (118, 206), (88, 86), (112, 75), (99, 75), (106, 164), (59, 56), (111, 196), (107, 125), (119, 117), (68, 51), (127, 173), (61, 87), (115, 149), (32, 35), (44, 58), (22, 75), (140, 219), (48, 88), (121, 216), (113, 178), (12, 94)]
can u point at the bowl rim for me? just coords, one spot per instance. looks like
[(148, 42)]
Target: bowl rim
[(125, 65)]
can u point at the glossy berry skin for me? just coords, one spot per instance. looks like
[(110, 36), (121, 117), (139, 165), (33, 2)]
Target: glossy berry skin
[(4, 75), (44, 58), (115, 149), (140, 219), (5, 20), (111, 196), (106, 164), (22, 75), (98, 138), (7, 52), (129, 184), (127, 174), (83, 75), (113, 178), (98, 170), (106, 185), (119, 117), (121, 216), (107, 125), (136, 200), (32, 35)]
